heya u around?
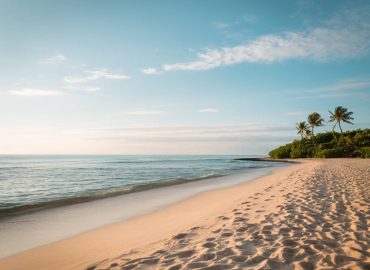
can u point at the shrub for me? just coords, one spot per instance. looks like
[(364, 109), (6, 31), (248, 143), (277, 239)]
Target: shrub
[(362, 139), (330, 153), (325, 137), (281, 152), (301, 149), (296, 153), (327, 145), (346, 144), (363, 152)]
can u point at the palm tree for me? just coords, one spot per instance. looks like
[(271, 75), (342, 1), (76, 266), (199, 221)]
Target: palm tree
[(303, 129), (340, 114), (315, 120)]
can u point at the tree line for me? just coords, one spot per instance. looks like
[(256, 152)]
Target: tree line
[(355, 143), (339, 115)]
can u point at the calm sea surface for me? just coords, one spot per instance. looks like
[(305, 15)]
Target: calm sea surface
[(41, 181)]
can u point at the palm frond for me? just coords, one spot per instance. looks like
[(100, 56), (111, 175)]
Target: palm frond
[(346, 121)]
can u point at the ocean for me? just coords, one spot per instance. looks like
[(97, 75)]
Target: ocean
[(31, 182)]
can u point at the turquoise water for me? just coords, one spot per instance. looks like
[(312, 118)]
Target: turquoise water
[(27, 182)]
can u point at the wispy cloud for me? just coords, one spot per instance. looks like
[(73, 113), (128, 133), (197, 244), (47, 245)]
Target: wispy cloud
[(32, 92), (355, 95), (84, 88), (346, 88), (217, 139), (150, 71), (93, 75), (343, 38), (54, 59), (297, 113), (247, 18), (250, 18), (221, 25), (208, 110), (145, 112), (217, 132), (248, 138), (351, 84)]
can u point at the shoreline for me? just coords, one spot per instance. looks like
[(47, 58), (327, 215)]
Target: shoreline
[(54, 224), (312, 215), (103, 194), (267, 159), (75, 244)]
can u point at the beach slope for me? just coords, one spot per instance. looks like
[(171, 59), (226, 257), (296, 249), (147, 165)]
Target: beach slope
[(314, 215)]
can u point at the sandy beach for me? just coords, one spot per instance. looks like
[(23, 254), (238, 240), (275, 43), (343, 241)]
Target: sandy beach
[(313, 215)]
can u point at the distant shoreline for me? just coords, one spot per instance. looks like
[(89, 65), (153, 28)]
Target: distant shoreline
[(266, 160)]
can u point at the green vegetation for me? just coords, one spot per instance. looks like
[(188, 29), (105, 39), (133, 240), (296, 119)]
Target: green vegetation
[(355, 143)]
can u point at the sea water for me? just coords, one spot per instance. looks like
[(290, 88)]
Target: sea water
[(29, 182)]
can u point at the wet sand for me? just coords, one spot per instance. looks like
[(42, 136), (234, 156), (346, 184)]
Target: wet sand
[(29, 230), (315, 215)]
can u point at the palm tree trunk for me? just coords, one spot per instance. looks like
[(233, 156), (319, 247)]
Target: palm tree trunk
[(341, 131), (313, 136), (335, 126), (334, 129)]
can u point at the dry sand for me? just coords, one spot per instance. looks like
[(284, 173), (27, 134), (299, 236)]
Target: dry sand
[(314, 215)]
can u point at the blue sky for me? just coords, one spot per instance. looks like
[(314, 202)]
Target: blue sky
[(176, 77)]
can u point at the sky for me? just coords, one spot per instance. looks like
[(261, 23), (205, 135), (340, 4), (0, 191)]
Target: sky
[(177, 77)]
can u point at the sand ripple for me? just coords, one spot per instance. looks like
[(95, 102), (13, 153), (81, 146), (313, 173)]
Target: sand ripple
[(318, 218)]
